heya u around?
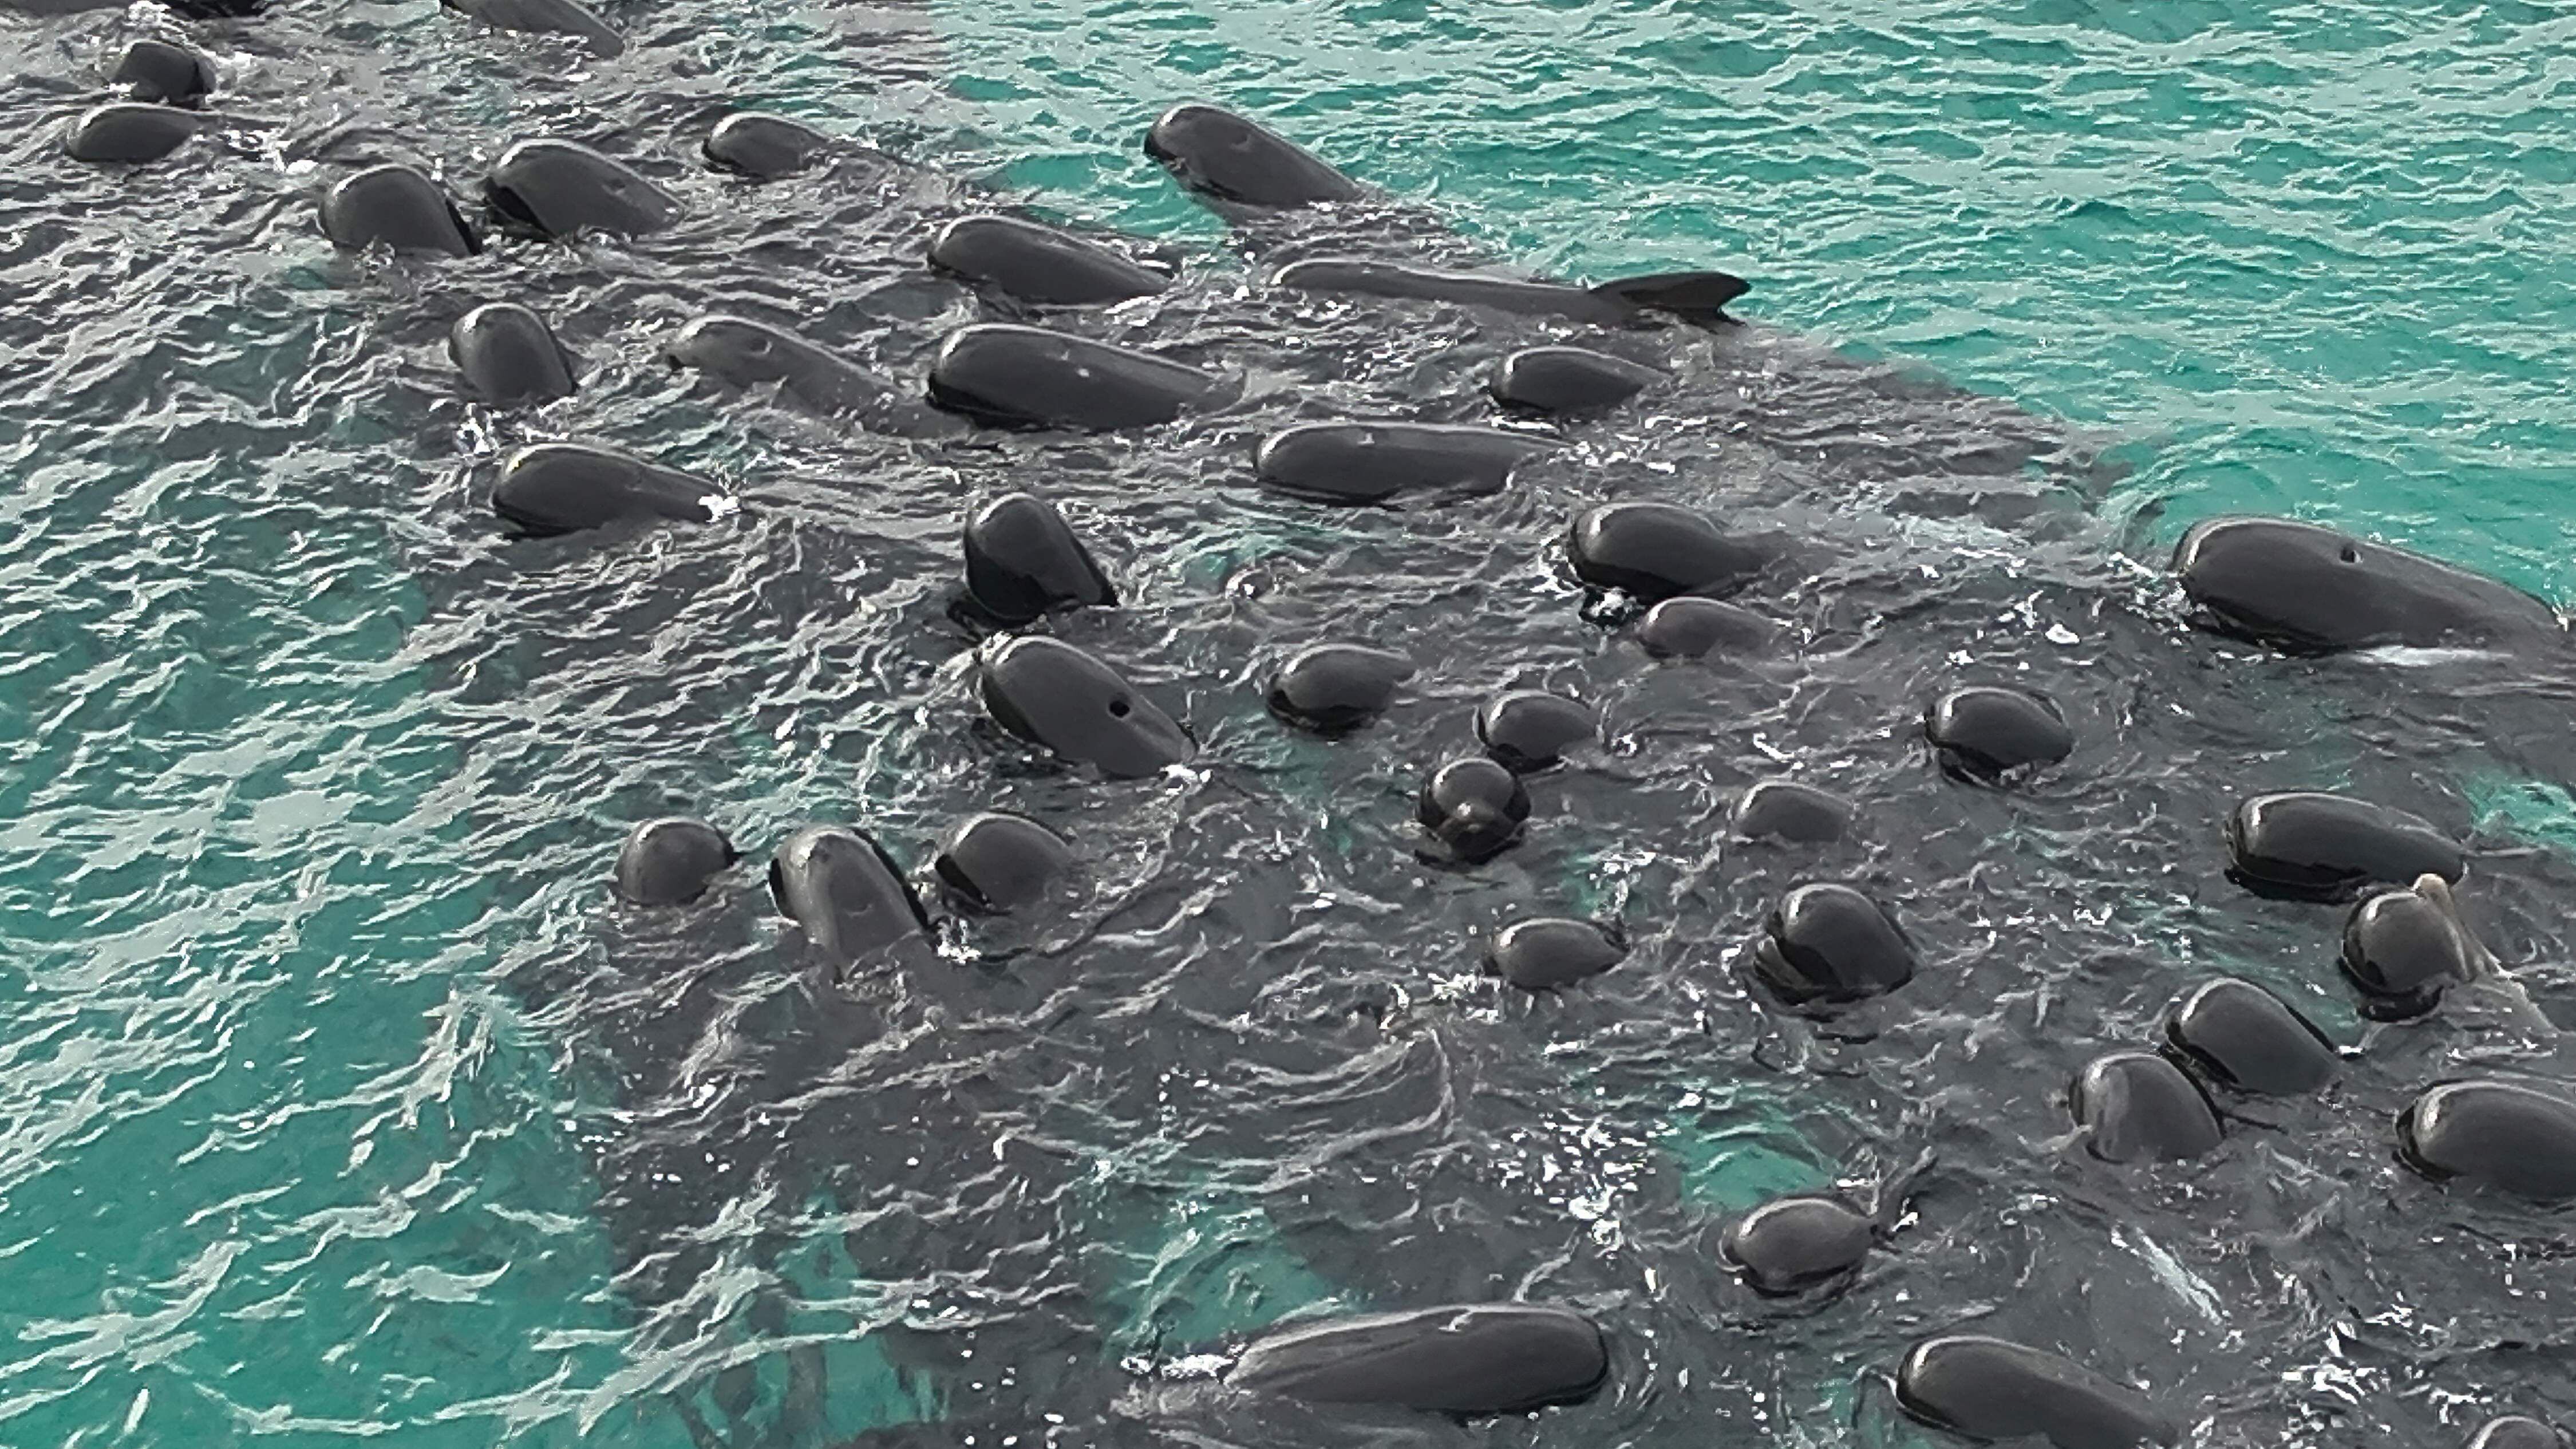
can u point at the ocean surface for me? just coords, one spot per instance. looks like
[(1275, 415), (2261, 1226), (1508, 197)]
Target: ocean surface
[(337, 1107)]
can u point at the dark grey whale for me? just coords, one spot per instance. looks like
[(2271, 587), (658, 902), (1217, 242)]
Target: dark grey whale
[(509, 356), (395, 206), (1989, 1389), (1031, 377), (1042, 264), (1503, 1358), (1689, 296), (561, 189), (2309, 589), (558, 17), (746, 353), (164, 72), (130, 132), (554, 488)]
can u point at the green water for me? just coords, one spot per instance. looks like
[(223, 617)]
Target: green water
[(281, 1164)]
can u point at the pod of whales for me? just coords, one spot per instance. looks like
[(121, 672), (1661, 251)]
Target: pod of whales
[(2274, 582), (1499, 1358), (1030, 377), (561, 189), (2311, 845), (510, 356), (1990, 1389), (1053, 695), (2307, 589), (1039, 263), (556, 488), (1372, 462), (2495, 1134)]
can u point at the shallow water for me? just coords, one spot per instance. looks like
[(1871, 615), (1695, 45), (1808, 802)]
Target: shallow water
[(339, 1106)]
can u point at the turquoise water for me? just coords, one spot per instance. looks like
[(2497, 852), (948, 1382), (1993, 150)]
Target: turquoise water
[(282, 1165)]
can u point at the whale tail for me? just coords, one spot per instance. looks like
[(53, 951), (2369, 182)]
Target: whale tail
[(1692, 296)]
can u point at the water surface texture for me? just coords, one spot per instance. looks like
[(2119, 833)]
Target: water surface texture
[(338, 1105)]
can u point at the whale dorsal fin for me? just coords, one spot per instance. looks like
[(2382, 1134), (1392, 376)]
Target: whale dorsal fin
[(1691, 296)]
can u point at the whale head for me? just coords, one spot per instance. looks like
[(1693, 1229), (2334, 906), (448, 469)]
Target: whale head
[(1225, 157)]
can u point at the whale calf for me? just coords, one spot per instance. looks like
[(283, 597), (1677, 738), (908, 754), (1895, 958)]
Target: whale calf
[(2303, 588), (1653, 551), (510, 356), (999, 372), (1037, 263), (1503, 1358), (1826, 944), (1990, 1389), (996, 862), (395, 206), (2136, 1106), (556, 488)]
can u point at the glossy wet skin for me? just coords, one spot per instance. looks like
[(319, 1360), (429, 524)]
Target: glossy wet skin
[(1470, 1361), (2310, 589), (1230, 158), (509, 356), (1986, 1388), (560, 189)]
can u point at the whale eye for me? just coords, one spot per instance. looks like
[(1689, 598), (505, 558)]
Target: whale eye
[(2351, 554), (1119, 707), (759, 345)]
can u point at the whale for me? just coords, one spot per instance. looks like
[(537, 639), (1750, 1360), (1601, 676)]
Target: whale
[(1038, 263), (1689, 296), (561, 189), (545, 17), (509, 356), (2307, 589), (130, 132), (1991, 1389), (745, 353), (761, 146), (1031, 377), (164, 72), (559, 488), (1364, 462), (1469, 1360), (395, 206)]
